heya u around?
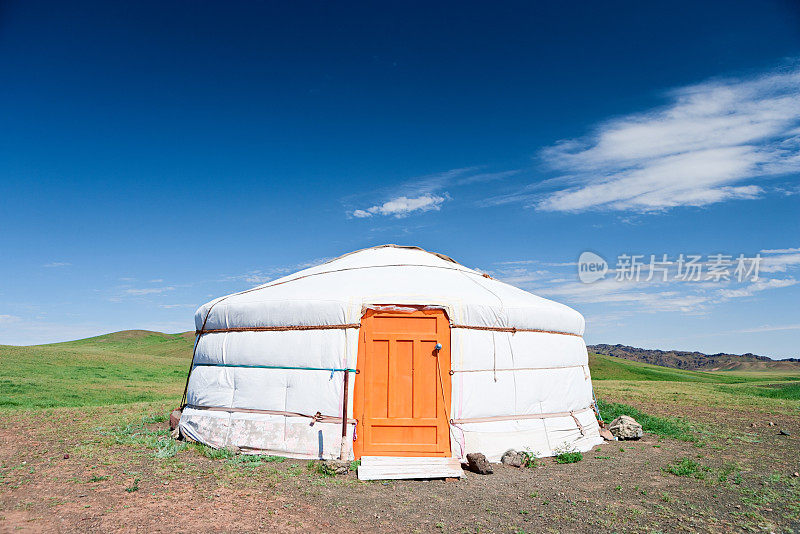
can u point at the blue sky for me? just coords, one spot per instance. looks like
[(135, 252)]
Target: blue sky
[(156, 155)]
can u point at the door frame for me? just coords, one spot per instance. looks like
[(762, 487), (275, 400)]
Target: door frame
[(359, 385)]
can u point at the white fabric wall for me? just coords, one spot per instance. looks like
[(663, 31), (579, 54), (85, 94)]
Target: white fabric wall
[(496, 373)]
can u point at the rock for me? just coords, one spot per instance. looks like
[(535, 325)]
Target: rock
[(771, 423), (796, 474), (752, 425), (783, 433), (339, 467), (626, 427), (66, 456), (174, 419), (478, 464), (606, 434), (512, 458)]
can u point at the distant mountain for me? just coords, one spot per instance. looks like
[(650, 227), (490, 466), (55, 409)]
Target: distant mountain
[(697, 361)]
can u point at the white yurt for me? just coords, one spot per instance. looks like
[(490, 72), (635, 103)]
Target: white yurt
[(389, 351)]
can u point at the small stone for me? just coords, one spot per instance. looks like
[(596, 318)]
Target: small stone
[(796, 474), (783, 433), (771, 423), (752, 425), (512, 458), (339, 467), (626, 427), (606, 434), (174, 419), (478, 464), (66, 456)]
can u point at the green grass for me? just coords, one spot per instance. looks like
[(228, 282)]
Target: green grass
[(686, 467), (119, 368), (668, 427), (568, 457), (611, 368), (788, 390)]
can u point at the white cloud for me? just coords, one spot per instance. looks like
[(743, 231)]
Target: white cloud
[(148, 290), (57, 264), (760, 285), (769, 328), (403, 206), (779, 262), (262, 276), (427, 193), (780, 250), (709, 144), (8, 318)]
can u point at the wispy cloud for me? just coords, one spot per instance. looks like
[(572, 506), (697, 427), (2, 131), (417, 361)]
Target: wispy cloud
[(148, 290), (262, 276), (8, 318), (755, 287), (427, 193), (769, 328), (558, 280), (57, 264), (403, 206), (714, 141), (779, 260)]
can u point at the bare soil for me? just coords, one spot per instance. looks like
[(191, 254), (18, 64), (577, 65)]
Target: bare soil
[(59, 474)]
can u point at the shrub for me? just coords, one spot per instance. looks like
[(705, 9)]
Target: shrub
[(567, 455)]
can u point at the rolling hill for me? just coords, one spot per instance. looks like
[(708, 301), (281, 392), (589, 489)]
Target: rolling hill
[(697, 360)]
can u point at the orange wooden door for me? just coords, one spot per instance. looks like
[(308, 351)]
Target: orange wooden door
[(398, 393)]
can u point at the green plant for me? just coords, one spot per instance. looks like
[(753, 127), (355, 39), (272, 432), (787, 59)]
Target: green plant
[(321, 468), (98, 478), (567, 455), (686, 467), (134, 486), (354, 465), (214, 454), (529, 458)]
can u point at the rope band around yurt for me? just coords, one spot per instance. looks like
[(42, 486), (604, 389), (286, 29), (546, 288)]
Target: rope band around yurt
[(512, 329), (253, 366), (316, 418), (277, 328), (571, 413)]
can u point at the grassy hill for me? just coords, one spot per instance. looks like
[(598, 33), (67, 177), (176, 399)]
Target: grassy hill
[(698, 361), (138, 365), (123, 367), (775, 384)]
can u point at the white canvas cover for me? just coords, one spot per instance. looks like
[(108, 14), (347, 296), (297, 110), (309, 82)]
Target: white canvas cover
[(522, 382)]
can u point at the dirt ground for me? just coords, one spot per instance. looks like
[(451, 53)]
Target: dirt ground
[(62, 471)]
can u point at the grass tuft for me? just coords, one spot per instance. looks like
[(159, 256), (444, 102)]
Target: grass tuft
[(321, 468), (567, 455), (686, 467)]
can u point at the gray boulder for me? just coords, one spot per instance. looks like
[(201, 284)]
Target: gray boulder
[(626, 427), (478, 463), (512, 458)]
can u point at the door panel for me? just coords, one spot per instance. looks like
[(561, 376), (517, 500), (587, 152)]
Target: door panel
[(398, 390)]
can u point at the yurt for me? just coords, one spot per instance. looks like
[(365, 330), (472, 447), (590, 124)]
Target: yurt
[(390, 351)]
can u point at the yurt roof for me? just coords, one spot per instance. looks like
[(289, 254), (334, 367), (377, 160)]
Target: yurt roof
[(337, 291)]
